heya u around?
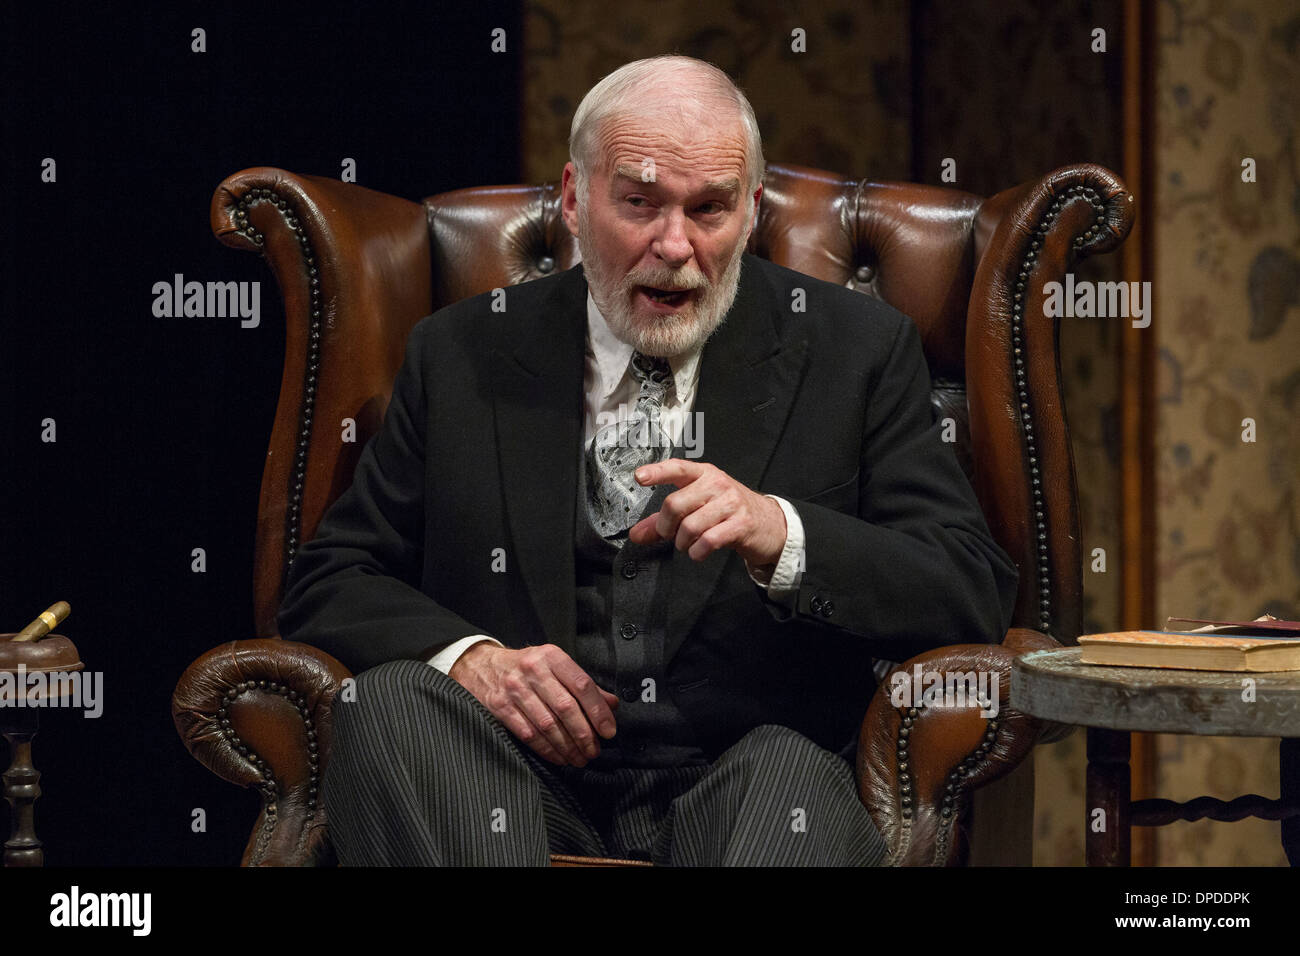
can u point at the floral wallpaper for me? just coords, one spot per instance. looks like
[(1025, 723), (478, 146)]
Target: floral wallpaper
[(850, 91), (1226, 287)]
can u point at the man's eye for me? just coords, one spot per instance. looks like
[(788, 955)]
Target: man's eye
[(636, 200), (717, 207)]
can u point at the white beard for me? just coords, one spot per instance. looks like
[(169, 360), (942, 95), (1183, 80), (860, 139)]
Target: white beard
[(663, 336)]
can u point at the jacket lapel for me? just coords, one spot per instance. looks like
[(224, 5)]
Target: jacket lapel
[(748, 380), (538, 404)]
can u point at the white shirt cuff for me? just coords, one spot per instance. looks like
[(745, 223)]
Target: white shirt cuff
[(447, 657), (783, 584)]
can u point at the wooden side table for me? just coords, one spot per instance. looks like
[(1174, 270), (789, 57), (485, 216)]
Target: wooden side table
[(1111, 702)]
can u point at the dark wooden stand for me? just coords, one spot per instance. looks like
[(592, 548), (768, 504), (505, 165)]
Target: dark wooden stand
[(1114, 701), (18, 725), (21, 787)]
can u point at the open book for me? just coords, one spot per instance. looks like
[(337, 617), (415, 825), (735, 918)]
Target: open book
[(1264, 644)]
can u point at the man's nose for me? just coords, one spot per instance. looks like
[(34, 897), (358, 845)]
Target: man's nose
[(672, 245)]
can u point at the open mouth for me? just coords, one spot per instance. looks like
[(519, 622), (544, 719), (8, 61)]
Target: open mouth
[(669, 297)]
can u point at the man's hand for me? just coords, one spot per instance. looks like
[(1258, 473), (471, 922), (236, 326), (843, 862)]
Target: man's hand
[(710, 510), (542, 696)]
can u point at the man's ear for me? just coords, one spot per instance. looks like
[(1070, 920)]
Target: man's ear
[(569, 197)]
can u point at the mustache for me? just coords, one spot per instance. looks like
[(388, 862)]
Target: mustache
[(669, 282)]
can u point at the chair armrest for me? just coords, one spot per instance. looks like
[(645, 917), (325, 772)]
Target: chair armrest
[(918, 764), (258, 713), (354, 271), (1025, 238)]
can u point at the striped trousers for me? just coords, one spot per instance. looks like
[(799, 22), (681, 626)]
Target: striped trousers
[(420, 773)]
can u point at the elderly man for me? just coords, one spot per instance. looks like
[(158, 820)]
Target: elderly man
[(615, 569)]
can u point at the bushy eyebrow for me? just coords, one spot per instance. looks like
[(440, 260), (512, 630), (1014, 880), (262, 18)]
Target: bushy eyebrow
[(730, 186)]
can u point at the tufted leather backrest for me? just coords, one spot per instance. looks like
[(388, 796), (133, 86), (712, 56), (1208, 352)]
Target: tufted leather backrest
[(358, 268)]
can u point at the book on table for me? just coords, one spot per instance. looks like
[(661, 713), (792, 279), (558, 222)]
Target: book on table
[(1264, 644)]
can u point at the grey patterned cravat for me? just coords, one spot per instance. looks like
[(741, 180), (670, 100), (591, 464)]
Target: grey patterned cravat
[(614, 499)]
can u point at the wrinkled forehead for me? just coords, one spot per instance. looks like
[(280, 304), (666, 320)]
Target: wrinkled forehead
[(678, 141)]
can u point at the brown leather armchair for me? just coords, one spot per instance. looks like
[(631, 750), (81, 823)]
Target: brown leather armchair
[(357, 269)]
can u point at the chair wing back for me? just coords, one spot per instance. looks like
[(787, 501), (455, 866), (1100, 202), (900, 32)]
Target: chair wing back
[(357, 269)]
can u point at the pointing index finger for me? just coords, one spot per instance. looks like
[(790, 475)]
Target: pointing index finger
[(673, 471)]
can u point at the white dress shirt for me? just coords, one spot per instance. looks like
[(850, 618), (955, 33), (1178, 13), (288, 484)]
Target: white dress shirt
[(611, 391)]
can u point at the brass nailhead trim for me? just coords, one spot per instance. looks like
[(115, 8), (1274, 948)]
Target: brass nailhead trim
[(1017, 320), (269, 786), (293, 516), (952, 786)]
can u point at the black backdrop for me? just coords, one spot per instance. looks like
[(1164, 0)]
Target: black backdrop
[(162, 423)]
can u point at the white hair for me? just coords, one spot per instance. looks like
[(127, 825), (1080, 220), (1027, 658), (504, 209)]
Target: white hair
[(625, 90)]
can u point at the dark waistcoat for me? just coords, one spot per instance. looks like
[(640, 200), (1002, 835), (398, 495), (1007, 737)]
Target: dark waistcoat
[(622, 614)]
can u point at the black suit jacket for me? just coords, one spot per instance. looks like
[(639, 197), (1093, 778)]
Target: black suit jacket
[(828, 407)]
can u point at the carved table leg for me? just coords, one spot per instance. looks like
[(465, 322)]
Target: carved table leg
[(21, 787), (1107, 835), (1289, 792)]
